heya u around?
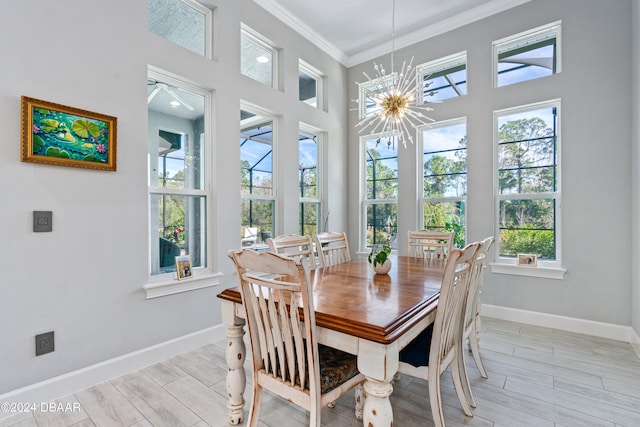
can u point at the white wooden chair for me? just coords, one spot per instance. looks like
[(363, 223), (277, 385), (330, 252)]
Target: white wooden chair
[(294, 246), (471, 322), (332, 248), (287, 359), (437, 347), (432, 245)]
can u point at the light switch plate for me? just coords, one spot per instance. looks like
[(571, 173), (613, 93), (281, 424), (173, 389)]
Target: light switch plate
[(42, 221)]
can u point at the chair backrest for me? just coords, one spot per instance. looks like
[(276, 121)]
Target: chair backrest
[(332, 248), (433, 245), (453, 293), (280, 317), (294, 246), (472, 308)]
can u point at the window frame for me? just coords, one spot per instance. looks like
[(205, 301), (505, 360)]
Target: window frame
[(546, 268), (273, 197), (365, 202), (208, 28), (535, 35), (319, 78), (423, 71), (164, 283), (319, 179), (261, 41), (444, 199)]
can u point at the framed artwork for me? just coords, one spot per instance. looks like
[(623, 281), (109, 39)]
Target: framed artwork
[(183, 267), (58, 135), (528, 260)]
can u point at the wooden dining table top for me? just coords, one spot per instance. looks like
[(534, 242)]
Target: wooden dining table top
[(350, 298)]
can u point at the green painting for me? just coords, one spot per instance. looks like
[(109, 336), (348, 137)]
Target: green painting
[(66, 136)]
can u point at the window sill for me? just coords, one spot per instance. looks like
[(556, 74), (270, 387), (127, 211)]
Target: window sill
[(170, 287), (520, 270)]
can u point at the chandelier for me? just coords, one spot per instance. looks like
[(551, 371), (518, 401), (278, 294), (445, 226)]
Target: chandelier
[(392, 102)]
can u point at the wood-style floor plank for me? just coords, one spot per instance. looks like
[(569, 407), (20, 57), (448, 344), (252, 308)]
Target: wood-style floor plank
[(538, 377)]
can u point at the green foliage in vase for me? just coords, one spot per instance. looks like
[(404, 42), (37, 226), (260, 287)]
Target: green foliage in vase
[(379, 257)]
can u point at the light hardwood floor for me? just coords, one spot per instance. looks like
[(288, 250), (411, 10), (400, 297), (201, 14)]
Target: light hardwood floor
[(537, 377)]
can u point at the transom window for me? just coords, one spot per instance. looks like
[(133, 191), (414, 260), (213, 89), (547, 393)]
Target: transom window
[(178, 189), (443, 78), (381, 192), (528, 178), (445, 178), (310, 82), (256, 177), (186, 23), (258, 58), (528, 55), (309, 183)]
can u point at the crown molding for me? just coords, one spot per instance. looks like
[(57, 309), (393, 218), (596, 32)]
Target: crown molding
[(492, 7), (292, 21)]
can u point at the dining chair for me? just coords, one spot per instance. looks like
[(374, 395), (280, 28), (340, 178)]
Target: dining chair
[(436, 348), (471, 322), (294, 246), (433, 245), (286, 357), (332, 248)]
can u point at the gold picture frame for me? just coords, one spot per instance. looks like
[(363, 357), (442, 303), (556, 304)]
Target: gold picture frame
[(528, 260), (59, 135)]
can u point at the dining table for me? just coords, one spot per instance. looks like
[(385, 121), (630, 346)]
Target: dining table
[(372, 316)]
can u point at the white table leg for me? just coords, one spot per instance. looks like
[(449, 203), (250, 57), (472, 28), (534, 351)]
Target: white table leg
[(378, 363), (236, 379), (377, 407)]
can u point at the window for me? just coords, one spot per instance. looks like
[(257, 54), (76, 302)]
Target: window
[(178, 184), (308, 175), (528, 182), (366, 95), (444, 78), (310, 85), (256, 177), (380, 192), (527, 56), (259, 60), (186, 23), (445, 178)]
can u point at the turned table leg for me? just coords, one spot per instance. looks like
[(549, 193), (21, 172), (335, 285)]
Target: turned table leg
[(235, 355)]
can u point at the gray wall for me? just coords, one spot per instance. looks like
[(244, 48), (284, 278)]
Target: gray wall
[(84, 280), (594, 87), (635, 294)]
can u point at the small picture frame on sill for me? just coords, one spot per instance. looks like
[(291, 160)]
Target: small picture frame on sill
[(183, 267), (528, 260)]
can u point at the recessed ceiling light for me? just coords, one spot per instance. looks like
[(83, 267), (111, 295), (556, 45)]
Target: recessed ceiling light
[(174, 104), (262, 59)]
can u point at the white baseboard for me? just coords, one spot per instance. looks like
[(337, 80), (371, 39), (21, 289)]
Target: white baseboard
[(570, 324), (63, 385)]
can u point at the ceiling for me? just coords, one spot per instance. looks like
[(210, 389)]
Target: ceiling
[(355, 31)]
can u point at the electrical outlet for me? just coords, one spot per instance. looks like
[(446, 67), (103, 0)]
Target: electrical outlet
[(44, 343), (42, 221)]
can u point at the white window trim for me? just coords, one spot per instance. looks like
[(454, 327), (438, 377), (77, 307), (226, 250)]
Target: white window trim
[(320, 77), (431, 67), (166, 284), (503, 265), (422, 199), (320, 136), (257, 38), (208, 22), (264, 114), (362, 247), (370, 86), (552, 30)]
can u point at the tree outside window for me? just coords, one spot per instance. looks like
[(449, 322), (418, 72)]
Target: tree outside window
[(528, 178)]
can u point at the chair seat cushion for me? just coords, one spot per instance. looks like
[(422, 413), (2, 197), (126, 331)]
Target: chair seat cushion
[(416, 353), (336, 367)]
